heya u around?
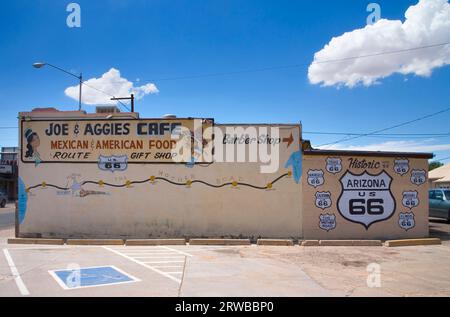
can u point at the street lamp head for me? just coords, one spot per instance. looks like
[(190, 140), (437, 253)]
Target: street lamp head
[(38, 65)]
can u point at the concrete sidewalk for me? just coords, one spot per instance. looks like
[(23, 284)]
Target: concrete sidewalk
[(206, 270)]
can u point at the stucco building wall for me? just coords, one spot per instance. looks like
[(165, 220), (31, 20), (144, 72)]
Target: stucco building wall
[(223, 199), (312, 194), (338, 206)]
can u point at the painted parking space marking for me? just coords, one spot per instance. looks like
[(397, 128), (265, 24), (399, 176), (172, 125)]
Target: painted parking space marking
[(160, 257), (175, 250), (93, 276), (15, 273), (165, 261), (160, 262)]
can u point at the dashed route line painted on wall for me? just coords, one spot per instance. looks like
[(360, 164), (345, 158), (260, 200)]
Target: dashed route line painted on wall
[(153, 179)]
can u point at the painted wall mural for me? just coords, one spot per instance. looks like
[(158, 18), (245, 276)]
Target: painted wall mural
[(122, 190), (114, 142), (76, 188), (22, 200), (315, 178), (323, 200), (334, 165), (366, 198), (376, 197), (327, 222)]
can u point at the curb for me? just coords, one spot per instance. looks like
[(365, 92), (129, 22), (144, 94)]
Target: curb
[(94, 242), (35, 241), (412, 242), (275, 242), (350, 243), (133, 242), (310, 243), (219, 241)]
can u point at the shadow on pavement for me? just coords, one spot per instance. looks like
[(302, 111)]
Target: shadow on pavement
[(7, 219), (439, 228)]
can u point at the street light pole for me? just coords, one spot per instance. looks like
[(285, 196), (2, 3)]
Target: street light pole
[(80, 77)]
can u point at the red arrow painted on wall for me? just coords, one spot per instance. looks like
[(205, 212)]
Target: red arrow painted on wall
[(289, 140)]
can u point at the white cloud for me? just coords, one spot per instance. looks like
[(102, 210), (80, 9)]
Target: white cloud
[(394, 146), (111, 83), (426, 23)]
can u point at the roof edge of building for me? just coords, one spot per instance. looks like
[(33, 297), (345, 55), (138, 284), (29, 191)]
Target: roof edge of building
[(368, 153)]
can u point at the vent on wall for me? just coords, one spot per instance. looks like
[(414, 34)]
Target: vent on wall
[(107, 109)]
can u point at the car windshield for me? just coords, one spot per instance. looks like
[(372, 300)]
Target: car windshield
[(447, 194)]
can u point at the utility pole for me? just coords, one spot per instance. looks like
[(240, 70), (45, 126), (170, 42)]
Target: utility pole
[(126, 98)]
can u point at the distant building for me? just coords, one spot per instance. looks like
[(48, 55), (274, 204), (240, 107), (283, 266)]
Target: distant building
[(8, 171), (440, 177)]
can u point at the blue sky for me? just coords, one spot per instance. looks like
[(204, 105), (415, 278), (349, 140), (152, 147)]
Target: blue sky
[(152, 41)]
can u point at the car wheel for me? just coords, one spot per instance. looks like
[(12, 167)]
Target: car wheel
[(3, 203), (448, 217)]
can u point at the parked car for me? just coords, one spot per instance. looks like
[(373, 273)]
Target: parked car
[(3, 199), (439, 203)]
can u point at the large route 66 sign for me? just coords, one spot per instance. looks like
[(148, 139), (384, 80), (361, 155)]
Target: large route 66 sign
[(366, 198)]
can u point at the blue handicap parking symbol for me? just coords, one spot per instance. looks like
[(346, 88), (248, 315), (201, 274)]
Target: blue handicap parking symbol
[(91, 276)]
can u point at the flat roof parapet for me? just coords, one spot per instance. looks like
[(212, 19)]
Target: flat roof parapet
[(368, 153), (52, 113)]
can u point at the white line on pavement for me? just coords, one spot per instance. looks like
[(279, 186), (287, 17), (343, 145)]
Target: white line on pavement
[(163, 262), (145, 265), (19, 282), (158, 257), (147, 253), (175, 250), (146, 250)]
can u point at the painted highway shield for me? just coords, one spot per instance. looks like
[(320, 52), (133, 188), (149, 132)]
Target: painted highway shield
[(366, 198)]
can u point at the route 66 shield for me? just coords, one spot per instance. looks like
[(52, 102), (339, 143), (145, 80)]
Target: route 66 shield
[(410, 199), (366, 198), (327, 222), (406, 220), (334, 165), (323, 200), (315, 178), (418, 177), (401, 166), (113, 163)]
